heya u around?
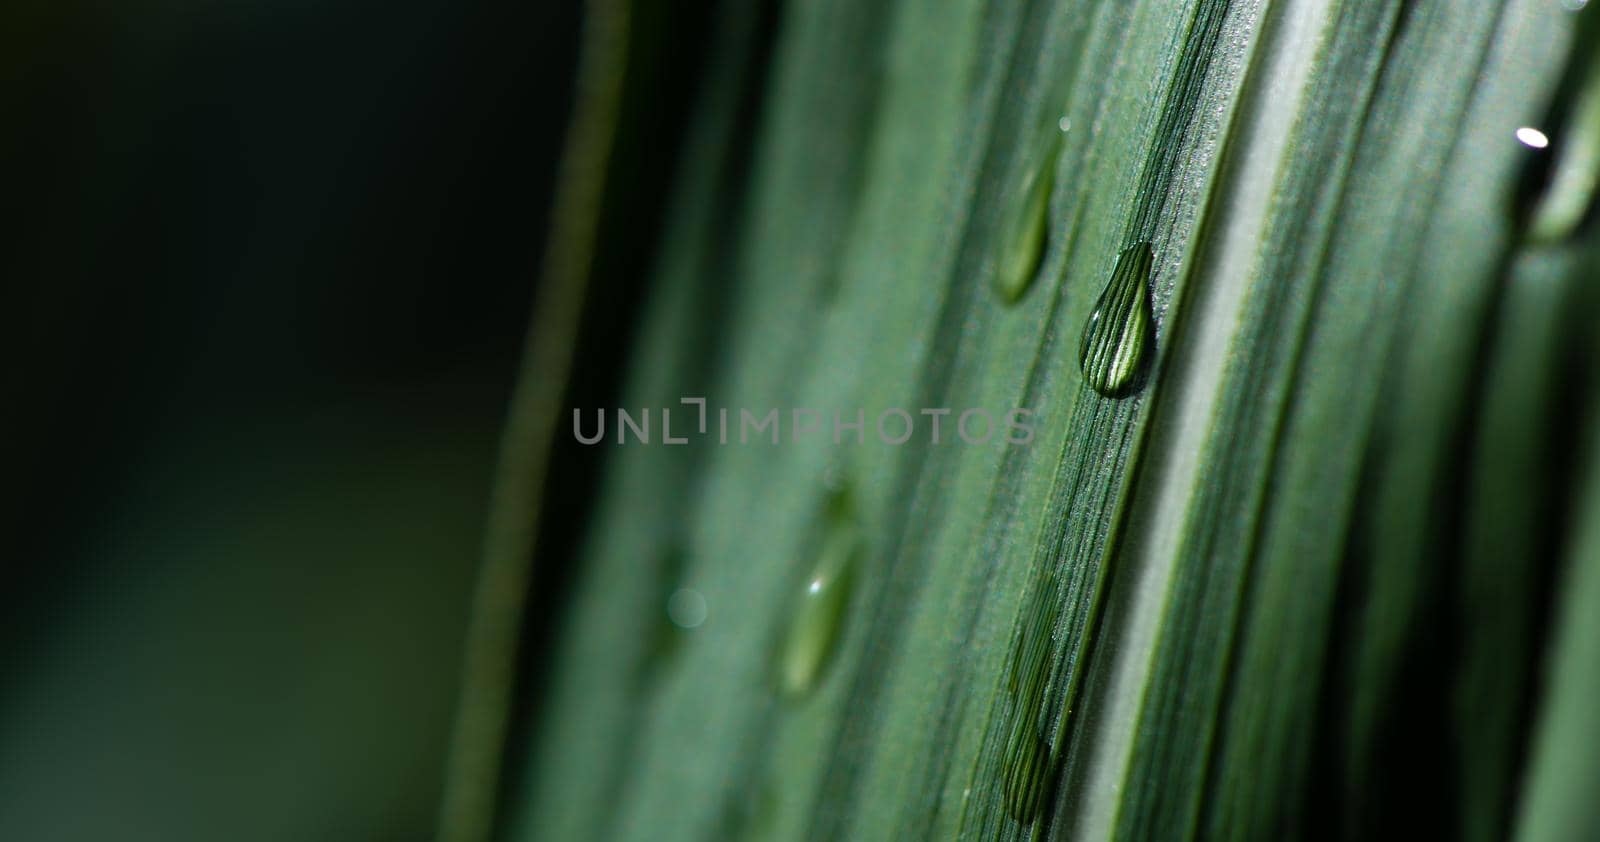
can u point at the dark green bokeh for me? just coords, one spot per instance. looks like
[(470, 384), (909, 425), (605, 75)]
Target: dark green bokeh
[(262, 318)]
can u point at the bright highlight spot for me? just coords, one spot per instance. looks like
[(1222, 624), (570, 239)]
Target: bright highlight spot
[(1532, 137)]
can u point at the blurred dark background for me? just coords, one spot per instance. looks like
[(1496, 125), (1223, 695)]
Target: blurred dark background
[(265, 288)]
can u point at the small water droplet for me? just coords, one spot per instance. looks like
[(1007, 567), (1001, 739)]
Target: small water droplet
[(1119, 331), (1023, 237), (1027, 776), (686, 608), (1027, 762), (819, 613), (1561, 175)]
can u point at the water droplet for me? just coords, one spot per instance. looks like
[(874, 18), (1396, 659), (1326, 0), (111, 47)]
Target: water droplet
[(819, 612), (686, 608), (1028, 774), (1022, 238), (1028, 760), (1562, 172), (1119, 331)]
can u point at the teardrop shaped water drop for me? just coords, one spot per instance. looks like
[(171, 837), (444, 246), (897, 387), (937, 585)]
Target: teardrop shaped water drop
[(819, 614), (1119, 331), (1028, 772), (1022, 239), (1561, 178), (1028, 761)]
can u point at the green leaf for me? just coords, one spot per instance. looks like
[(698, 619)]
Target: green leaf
[(1299, 340)]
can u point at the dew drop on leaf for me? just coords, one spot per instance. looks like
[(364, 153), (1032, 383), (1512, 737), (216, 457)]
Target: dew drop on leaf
[(686, 608), (820, 608), (1028, 773), (1119, 332), (1023, 235), (1028, 761), (1562, 175)]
